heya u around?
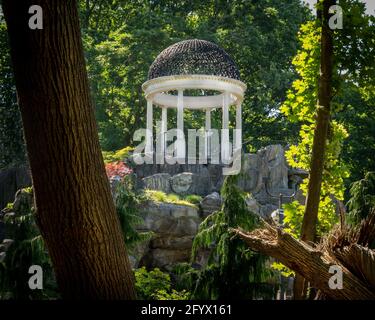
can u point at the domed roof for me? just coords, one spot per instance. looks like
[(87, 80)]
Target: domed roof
[(193, 57)]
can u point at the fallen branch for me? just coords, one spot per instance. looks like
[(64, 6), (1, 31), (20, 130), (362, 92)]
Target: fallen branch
[(311, 263)]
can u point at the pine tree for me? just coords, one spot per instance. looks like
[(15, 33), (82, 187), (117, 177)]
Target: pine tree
[(233, 271), (362, 199)]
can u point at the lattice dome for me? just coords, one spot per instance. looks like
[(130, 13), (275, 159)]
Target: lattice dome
[(193, 57)]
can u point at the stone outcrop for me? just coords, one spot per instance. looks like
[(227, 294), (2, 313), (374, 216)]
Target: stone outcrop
[(253, 205), (159, 181), (173, 227), (210, 203), (191, 183), (206, 178), (11, 180), (182, 183), (264, 175)]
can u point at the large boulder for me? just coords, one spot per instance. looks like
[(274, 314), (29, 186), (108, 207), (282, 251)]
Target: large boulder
[(210, 204), (190, 183), (174, 227), (166, 258), (251, 173), (253, 204), (274, 167), (169, 218), (182, 183), (138, 252), (159, 181), (170, 242)]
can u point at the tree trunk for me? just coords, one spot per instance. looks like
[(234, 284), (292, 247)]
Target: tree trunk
[(321, 130), (75, 210), (310, 217), (310, 263)]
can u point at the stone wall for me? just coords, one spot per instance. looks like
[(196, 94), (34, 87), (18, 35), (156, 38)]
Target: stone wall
[(264, 176), (202, 179), (173, 227), (267, 167)]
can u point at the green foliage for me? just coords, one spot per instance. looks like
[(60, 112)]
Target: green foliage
[(233, 271), (160, 196), (294, 215), (12, 149), (193, 198), (127, 204), (351, 142), (359, 118), (119, 155), (301, 107), (156, 285), (362, 199), (27, 249), (122, 38), (185, 276), (284, 271), (354, 54)]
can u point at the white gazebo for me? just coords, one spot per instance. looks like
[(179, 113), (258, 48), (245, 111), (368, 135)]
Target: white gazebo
[(182, 68)]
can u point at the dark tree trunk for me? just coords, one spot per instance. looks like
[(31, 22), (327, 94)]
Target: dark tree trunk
[(321, 130), (75, 211), (310, 217)]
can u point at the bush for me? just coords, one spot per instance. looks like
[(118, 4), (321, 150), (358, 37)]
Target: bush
[(362, 199), (27, 249), (28, 246), (232, 271), (193, 198), (119, 155), (156, 285), (160, 196), (127, 201)]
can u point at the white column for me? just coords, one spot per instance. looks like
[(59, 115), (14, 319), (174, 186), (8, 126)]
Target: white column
[(163, 130), (180, 127), (237, 149), (225, 155), (238, 134), (208, 132), (208, 119), (149, 127)]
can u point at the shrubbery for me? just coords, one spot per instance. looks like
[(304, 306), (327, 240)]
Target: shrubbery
[(119, 155), (233, 271), (26, 249), (160, 196), (156, 285)]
